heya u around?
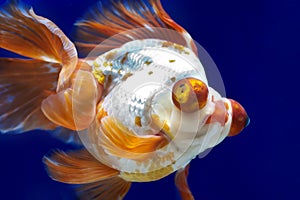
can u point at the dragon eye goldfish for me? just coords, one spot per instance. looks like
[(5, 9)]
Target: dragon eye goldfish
[(139, 101)]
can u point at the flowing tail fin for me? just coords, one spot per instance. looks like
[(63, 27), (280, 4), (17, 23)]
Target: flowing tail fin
[(25, 83)]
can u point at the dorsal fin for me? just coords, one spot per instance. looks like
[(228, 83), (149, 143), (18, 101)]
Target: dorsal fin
[(118, 16)]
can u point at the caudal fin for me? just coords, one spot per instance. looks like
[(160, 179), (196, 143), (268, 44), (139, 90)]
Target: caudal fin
[(25, 83)]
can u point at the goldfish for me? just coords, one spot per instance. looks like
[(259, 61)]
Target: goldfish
[(137, 98)]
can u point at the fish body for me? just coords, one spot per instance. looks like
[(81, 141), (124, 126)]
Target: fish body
[(139, 100), (154, 67)]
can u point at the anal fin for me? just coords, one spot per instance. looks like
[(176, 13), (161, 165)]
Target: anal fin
[(110, 189), (78, 167), (96, 180)]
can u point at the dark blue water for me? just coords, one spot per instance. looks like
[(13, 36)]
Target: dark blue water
[(256, 47)]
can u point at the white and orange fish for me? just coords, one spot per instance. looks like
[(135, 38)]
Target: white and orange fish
[(139, 101)]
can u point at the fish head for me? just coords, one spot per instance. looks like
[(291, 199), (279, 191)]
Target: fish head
[(195, 117)]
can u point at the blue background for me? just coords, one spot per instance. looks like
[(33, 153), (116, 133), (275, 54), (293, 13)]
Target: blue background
[(255, 44)]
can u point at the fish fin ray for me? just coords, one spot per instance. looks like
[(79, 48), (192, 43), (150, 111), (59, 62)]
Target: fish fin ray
[(66, 135), (74, 108), (121, 142), (58, 109), (104, 21), (109, 189), (27, 34), (182, 185), (21, 96), (77, 167)]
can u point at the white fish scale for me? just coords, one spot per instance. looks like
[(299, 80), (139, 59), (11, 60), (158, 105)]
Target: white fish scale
[(140, 92), (113, 105), (132, 98), (183, 64)]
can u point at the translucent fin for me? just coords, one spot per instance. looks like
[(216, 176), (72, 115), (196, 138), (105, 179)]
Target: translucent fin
[(66, 135), (25, 33), (24, 84), (58, 109), (117, 140), (110, 189), (78, 167), (117, 16), (74, 108), (182, 185), (205, 153), (85, 98)]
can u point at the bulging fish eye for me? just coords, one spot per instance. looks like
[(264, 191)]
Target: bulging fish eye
[(240, 119), (189, 95)]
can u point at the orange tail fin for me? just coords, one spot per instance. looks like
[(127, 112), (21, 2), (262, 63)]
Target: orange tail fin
[(21, 96), (25, 83), (27, 34)]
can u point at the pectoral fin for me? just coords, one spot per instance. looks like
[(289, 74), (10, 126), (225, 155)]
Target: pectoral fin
[(58, 109), (75, 107), (117, 140), (182, 185)]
